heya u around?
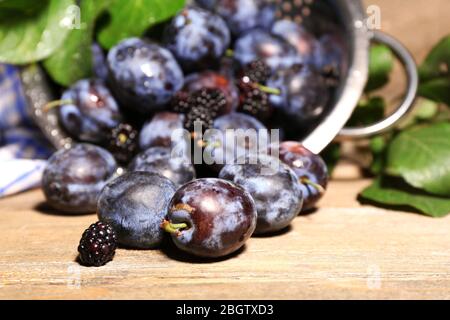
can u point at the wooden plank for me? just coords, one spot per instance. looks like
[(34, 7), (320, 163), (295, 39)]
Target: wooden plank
[(343, 250)]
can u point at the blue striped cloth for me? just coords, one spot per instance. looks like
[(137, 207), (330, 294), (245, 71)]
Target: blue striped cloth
[(23, 149)]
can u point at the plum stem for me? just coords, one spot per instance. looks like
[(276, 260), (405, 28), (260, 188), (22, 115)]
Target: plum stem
[(268, 90), (261, 87), (173, 228), (316, 186), (56, 103), (229, 53)]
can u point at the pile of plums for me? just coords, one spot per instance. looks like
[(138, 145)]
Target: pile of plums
[(222, 65)]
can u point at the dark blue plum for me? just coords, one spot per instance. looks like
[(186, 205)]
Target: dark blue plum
[(310, 169), (207, 4), (74, 178), (210, 217), (222, 147), (166, 129), (330, 57), (158, 131), (161, 160), (143, 75), (197, 38), (272, 50), (135, 204), (296, 35), (92, 113), (99, 66), (237, 120), (304, 94), (274, 187), (244, 15)]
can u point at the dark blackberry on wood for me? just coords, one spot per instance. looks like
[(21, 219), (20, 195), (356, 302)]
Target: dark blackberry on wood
[(97, 245)]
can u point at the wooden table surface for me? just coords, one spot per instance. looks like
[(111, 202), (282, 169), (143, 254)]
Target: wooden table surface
[(343, 250)]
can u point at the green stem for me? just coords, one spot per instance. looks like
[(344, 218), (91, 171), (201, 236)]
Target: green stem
[(229, 53), (173, 228), (316, 186), (269, 90), (56, 103)]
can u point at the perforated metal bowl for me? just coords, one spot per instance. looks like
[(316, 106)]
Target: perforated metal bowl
[(352, 20)]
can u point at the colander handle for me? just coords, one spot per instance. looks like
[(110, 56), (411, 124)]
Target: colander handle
[(406, 104)]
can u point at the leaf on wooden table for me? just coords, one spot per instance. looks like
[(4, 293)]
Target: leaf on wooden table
[(421, 155), (395, 193)]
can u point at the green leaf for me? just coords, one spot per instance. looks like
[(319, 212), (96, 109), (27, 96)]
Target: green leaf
[(425, 110), (437, 64), (132, 18), (436, 89), (73, 61), (421, 155), (394, 193), (380, 67), (435, 74), (21, 6), (331, 156), (28, 38), (378, 146), (368, 112), (443, 114)]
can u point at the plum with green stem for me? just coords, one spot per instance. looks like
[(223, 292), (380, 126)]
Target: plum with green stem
[(310, 169), (210, 217)]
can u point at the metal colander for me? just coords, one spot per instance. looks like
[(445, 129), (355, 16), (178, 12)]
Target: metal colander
[(348, 15)]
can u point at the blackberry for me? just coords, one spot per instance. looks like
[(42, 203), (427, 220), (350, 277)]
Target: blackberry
[(198, 115), (97, 245), (180, 103), (123, 143), (257, 71), (202, 105), (253, 100), (214, 80)]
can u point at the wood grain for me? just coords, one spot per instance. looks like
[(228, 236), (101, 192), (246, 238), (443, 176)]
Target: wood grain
[(343, 250)]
